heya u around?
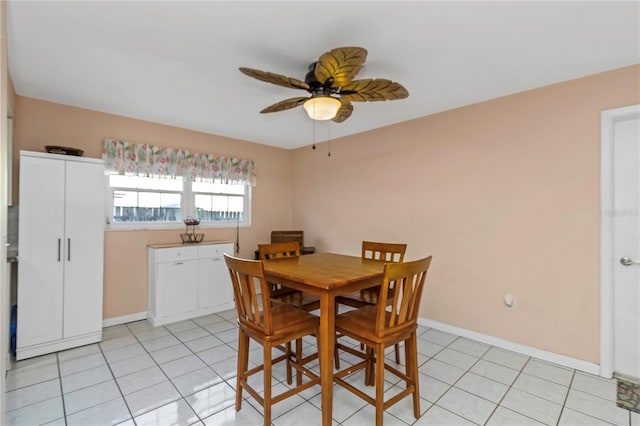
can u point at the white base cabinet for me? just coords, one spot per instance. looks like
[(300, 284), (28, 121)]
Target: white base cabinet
[(61, 253), (188, 281)]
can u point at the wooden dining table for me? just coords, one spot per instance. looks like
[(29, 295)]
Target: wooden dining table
[(327, 275)]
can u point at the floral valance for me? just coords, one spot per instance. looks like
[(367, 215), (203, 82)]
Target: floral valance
[(148, 160)]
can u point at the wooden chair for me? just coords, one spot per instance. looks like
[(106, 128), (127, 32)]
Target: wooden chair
[(270, 326), (385, 252), (306, 302), (391, 321)]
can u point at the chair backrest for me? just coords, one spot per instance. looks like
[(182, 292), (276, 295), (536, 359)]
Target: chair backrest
[(400, 295), (388, 252), (253, 309), (276, 250), (284, 236)]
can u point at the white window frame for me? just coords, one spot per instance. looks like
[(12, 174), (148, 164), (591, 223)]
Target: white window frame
[(187, 210)]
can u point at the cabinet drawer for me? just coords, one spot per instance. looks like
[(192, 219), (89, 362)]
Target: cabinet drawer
[(174, 254), (215, 250)]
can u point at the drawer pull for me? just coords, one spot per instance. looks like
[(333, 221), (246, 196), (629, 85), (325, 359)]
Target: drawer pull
[(178, 263)]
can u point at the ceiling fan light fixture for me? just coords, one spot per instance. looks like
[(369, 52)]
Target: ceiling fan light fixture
[(322, 108)]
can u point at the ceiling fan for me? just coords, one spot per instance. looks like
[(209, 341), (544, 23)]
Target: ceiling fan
[(330, 81)]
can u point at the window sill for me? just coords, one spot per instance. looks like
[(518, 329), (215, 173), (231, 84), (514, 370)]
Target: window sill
[(171, 226)]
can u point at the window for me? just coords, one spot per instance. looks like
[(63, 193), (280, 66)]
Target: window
[(218, 201), (153, 202), (145, 199)]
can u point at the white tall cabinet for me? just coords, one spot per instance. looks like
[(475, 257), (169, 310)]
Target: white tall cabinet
[(61, 252)]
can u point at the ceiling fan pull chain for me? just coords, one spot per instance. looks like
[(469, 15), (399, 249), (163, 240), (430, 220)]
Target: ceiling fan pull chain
[(329, 125), (314, 134)]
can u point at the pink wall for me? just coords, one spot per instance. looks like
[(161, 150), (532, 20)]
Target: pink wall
[(504, 194), (39, 123)]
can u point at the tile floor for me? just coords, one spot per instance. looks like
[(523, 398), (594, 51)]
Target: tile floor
[(183, 374)]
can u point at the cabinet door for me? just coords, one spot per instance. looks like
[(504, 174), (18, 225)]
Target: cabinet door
[(41, 256), (176, 287), (214, 283), (83, 248)]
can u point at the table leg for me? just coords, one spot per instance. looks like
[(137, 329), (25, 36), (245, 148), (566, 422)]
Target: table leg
[(327, 342)]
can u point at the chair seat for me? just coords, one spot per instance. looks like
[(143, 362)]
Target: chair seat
[(361, 322), (358, 299), (287, 321), (298, 299)]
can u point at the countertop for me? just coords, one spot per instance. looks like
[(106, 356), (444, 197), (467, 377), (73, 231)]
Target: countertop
[(179, 244)]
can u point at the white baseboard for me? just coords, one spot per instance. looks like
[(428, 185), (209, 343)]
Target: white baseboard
[(563, 360), (124, 319)]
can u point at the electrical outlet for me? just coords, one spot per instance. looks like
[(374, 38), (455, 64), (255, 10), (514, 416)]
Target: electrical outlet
[(508, 300)]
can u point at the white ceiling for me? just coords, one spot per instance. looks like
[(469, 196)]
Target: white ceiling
[(176, 63)]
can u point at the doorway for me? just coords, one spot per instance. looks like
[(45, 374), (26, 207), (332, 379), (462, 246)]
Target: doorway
[(620, 243)]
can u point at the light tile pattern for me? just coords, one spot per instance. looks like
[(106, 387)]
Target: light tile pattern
[(184, 374)]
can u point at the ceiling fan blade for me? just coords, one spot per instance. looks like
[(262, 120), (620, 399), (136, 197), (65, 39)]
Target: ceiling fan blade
[(277, 79), (344, 112), (341, 64), (284, 105), (373, 90)]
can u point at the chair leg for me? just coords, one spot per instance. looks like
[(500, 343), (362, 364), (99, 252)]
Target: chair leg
[(369, 371), (288, 362), (299, 361), (336, 354), (243, 362), (379, 384), (397, 349), (411, 355), (267, 384)]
